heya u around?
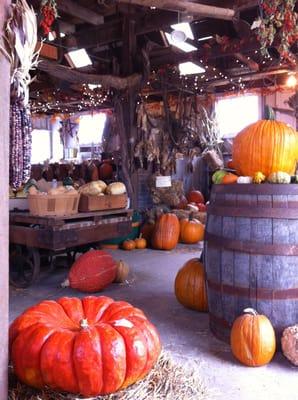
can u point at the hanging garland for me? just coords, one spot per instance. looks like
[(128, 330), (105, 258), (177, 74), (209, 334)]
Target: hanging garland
[(278, 24), (48, 14)]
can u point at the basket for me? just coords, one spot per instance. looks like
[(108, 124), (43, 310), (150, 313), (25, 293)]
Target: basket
[(60, 204), (105, 202)]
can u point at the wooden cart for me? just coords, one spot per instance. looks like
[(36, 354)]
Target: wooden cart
[(31, 237)]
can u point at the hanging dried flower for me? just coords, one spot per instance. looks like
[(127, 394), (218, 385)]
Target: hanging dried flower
[(278, 26)]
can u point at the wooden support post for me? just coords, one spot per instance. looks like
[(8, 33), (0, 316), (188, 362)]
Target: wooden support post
[(4, 157)]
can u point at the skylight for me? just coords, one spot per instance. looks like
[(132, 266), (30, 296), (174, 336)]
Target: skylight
[(78, 58), (184, 46), (190, 68), (184, 27)]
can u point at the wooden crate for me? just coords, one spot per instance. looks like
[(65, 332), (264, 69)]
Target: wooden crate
[(56, 205), (107, 202)]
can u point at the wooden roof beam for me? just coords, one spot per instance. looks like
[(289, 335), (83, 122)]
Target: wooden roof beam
[(188, 7), (75, 10), (252, 65)]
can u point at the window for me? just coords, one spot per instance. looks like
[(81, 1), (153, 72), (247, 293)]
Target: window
[(91, 128), (41, 146), (235, 113)]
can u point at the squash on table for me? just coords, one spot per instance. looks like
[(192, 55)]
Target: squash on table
[(91, 272), (92, 346), (166, 232), (116, 188), (289, 344), (191, 230), (267, 146), (253, 339), (229, 178), (218, 176), (279, 177), (258, 177), (190, 287)]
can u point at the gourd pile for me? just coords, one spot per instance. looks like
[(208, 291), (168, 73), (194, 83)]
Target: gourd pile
[(266, 151)]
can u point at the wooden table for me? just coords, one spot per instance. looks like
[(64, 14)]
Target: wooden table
[(30, 235)]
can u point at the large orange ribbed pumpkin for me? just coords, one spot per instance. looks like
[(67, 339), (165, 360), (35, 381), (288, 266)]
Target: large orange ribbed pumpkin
[(190, 287), (253, 339), (166, 232), (92, 271), (92, 346), (267, 146)]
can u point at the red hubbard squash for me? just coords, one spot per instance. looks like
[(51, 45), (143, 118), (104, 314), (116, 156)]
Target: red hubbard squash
[(253, 339), (105, 171), (166, 232), (92, 346), (195, 196), (92, 271), (190, 287), (267, 146), (191, 230)]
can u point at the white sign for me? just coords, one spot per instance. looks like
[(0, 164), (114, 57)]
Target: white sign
[(163, 181)]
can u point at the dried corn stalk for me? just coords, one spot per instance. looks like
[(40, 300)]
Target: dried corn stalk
[(20, 41)]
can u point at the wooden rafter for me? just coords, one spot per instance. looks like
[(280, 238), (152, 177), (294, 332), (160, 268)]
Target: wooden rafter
[(70, 75), (252, 65), (76, 10), (198, 9)]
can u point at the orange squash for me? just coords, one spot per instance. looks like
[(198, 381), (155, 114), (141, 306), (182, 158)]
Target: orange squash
[(229, 178), (141, 243), (253, 339), (128, 244), (191, 230), (166, 232), (190, 287), (267, 146)]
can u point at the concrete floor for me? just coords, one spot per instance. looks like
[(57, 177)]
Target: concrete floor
[(184, 333)]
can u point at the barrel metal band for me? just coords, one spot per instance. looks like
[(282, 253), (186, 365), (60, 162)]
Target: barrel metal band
[(257, 293), (253, 212), (264, 189), (250, 247)]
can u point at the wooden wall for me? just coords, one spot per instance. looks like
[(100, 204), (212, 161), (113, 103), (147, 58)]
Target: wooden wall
[(4, 152)]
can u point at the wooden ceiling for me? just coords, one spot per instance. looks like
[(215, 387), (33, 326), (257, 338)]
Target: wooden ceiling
[(126, 38)]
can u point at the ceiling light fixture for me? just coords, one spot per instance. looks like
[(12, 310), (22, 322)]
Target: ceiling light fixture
[(184, 46), (291, 81), (185, 28), (190, 68), (78, 58)]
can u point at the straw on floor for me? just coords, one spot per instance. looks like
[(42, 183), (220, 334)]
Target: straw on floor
[(169, 380)]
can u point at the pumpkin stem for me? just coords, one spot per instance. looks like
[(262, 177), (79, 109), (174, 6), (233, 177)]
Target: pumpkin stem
[(269, 113), (84, 323), (250, 311)]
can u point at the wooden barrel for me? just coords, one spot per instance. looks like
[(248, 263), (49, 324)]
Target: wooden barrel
[(251, 254)]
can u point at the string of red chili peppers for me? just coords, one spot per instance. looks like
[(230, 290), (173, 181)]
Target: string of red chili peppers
[(48, 13)]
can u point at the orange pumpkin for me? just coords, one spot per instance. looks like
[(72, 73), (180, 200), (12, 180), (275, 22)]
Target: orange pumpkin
[(267, 146), (92, 346), (229, 178), (128, 244), (166, 232), (190, 287), (141, 243), (253, 339), (191, 230)]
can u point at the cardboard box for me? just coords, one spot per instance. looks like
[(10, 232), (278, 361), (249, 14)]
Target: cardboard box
[(99, 203)]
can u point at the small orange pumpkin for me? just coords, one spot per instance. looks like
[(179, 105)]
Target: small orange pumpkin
[(229, 178), (129, 244), (190, 287), (191, 230), (253, 339), (141, 243)]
